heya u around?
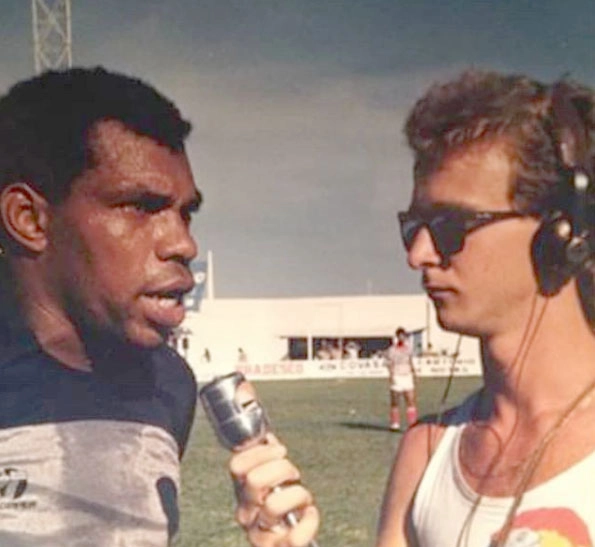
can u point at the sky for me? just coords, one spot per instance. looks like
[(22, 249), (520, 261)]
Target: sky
[(298, 107)]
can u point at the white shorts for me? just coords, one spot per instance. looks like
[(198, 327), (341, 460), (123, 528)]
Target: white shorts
[(402, 382)]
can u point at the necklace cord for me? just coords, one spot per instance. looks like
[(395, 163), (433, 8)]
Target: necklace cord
[(537, 456), (439, 415), (519, 360)]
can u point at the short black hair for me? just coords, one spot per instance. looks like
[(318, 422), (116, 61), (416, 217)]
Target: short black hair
[(400, 331), (45, 123)]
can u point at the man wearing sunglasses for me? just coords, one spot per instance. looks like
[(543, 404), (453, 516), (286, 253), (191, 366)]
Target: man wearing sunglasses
[(447, 227), (499, 228)]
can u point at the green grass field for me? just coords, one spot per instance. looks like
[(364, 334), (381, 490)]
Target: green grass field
[(336, 431)]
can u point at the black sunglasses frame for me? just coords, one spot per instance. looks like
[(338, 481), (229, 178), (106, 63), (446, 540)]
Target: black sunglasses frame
[(448, 229)]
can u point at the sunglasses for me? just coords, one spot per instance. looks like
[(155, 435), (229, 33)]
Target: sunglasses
[(448, 228)]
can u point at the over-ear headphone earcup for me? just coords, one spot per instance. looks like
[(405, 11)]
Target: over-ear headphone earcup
[(550, 250)]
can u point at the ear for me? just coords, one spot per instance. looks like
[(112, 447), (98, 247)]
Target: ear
[(25, 215)]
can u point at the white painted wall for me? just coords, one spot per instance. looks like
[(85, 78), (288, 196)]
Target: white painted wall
[(258, 326)]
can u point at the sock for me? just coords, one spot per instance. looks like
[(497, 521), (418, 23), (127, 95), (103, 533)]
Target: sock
[(395, 418), (411, 415)]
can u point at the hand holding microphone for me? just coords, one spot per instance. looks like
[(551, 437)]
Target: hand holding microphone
[(265, 480)]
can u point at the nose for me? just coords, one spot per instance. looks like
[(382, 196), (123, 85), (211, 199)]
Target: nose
[(175, 240), (422, 252)]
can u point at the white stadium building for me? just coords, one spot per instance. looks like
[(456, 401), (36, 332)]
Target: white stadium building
[(322, 337)]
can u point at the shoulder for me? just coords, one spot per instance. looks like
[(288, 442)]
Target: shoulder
[(413, 456), (174, 380), (411, 460), (178, 387), (415, 450), (420, 442)]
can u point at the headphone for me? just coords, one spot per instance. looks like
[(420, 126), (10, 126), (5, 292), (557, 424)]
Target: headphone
[(564, 245)]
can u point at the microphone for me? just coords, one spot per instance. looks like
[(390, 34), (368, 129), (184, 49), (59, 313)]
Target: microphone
[(237, 417)]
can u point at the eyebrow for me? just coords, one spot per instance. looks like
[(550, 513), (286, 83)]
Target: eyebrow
[(192, 205), (455, 207), (137, 190)]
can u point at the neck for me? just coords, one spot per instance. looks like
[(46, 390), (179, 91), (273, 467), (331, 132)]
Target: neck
[(544, 364), (58, 337), (39, 314), (69, 340), (92, 350)]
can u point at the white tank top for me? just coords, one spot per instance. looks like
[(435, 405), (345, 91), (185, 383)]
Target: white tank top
[(557, 513)]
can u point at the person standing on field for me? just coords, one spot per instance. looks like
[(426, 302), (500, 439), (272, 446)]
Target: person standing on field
[(96, 197), (401, 376), (96, 201), (501, 228)]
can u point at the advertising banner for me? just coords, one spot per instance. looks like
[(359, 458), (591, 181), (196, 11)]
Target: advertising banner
[(425, 366)]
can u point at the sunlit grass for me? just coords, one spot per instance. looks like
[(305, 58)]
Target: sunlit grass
[(336, 431)]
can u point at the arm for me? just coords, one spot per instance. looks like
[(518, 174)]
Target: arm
[(412, 457), (389, 365), (411, 366), (410, 359), (260, 508)]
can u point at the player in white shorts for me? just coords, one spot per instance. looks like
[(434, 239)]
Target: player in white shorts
[(402, 379)]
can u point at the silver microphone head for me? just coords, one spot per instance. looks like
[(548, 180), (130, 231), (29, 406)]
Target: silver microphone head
[(234, 411)]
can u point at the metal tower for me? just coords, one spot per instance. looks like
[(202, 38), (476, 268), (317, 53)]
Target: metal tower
[(52, 43)]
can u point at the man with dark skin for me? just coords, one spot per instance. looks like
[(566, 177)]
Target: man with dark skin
[(96, 197)]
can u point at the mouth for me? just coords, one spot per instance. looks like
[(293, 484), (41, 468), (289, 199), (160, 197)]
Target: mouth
[(165, 307), (168, 299), (437, 292)]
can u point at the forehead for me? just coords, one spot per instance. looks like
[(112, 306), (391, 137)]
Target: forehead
[(122, 158), (478, 177)]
